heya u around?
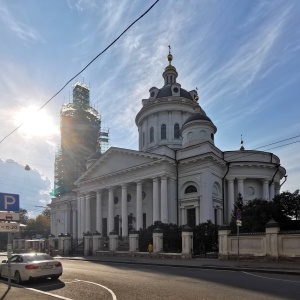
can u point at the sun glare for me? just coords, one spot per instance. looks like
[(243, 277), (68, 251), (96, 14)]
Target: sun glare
[(35, 123)]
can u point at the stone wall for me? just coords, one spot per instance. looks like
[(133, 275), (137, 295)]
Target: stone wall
[(271, 245)]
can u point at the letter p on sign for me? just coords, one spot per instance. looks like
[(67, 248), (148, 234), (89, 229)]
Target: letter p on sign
[(9, 202)]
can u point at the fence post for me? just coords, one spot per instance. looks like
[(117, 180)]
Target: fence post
[(187, 242), (96, 242), (87, 237), (61, 248), (272, 229), (67, 244), (157, 236), (133, 242), (113, 242), (223, 233)]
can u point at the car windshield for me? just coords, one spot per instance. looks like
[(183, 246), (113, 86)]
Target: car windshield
[(38, 257)]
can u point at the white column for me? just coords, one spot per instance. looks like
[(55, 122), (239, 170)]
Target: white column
[(164, 200), (197, 215), (140, 138), (155, 200), (66, 220), (88, 212), (52, 220), (272, 190), (230, 199), (74, 222), (157, 130), (99, 212), (170, 130), (82, 213), (146, 133), (183, 216), (139, 206), (266, 189), (110, 210), (78, 216), (241, 186), (124, 211), (277, 188)]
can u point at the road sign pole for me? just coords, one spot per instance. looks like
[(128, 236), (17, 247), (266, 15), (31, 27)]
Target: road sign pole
[(8, 257), (238, 234)]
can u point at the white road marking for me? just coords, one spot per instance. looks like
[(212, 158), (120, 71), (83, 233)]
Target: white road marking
[(49, 294), (270, 278), (111, 292)]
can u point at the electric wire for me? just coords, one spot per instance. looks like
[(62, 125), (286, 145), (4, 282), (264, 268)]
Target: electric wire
[(84, 68)]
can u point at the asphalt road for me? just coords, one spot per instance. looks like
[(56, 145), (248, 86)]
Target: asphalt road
[(97, 280)]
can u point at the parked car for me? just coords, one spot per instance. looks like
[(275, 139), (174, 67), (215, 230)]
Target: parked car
[(27, 266)]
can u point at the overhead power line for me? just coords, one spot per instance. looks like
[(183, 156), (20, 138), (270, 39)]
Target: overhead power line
[(84, 68)]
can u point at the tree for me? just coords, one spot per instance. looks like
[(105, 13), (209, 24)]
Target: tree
[(47, 213), (289, 203), (205, 237), (41, 226), (23, 216), (258, 212)]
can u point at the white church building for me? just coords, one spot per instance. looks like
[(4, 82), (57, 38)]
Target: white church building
[(177, 176)]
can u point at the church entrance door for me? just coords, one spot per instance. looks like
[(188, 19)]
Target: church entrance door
[(191, 217)]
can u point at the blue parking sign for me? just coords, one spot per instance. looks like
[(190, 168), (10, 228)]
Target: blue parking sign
[(9, 202)]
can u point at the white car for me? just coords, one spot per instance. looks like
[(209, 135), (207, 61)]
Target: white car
[(27, 266)]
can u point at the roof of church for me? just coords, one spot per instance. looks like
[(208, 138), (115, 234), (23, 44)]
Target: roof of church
[(166, 91), (196, 117)]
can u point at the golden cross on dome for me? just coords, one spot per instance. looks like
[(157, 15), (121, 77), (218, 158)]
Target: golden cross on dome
[(169, 49)]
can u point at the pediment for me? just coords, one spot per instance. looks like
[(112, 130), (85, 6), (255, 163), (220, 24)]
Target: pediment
[(117, 160)]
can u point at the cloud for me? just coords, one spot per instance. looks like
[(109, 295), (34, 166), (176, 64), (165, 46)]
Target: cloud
[(22, 30), (32, 188)]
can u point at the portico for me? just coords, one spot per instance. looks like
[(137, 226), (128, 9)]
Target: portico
[(146, 200)]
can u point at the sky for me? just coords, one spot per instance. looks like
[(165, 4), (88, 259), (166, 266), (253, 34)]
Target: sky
[(243, 57)]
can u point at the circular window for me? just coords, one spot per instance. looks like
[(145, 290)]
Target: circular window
[(212, 136), (250, 191), (116, 200), (128, 197), (152, 94), (143, 194), (175, 90)]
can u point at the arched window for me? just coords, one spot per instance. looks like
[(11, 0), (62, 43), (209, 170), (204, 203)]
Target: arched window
[(163, 132), (151, 135), (176, 131), (190, 189)]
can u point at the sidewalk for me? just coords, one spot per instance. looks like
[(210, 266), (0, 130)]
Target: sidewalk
[(17, 292), (201, 263)]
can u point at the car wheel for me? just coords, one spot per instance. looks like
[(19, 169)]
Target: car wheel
[(54, 277), (18, 278)]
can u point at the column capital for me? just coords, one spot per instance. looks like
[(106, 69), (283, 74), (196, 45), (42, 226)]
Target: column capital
[(265, 180), (164, 177), (230, 179), (99, 192), (124, 185), (241, 178)]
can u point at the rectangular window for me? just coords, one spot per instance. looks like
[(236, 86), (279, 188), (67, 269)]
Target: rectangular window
[(143, 139), (216, 216), (104, 227)]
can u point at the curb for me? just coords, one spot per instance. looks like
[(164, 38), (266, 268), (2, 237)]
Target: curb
[(237, 269)]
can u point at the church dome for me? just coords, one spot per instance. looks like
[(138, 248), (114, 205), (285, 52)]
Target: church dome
[(197, 117), (166, 91)]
